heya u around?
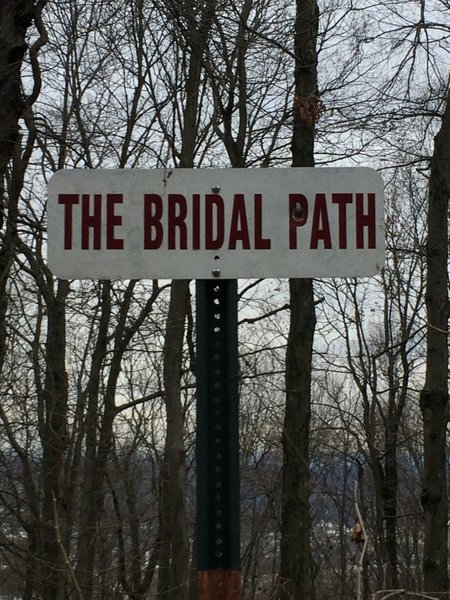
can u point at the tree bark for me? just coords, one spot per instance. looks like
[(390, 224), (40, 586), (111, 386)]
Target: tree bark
[(434, 397), (16, 17), (54, 443), (295, 565), (295, 557), (92, 490), (173, 577), (175, 536)]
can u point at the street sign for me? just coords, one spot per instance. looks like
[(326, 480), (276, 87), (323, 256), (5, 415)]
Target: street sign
[(215, 223)]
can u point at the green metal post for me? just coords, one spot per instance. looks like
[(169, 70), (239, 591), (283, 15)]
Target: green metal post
[(218, 540)]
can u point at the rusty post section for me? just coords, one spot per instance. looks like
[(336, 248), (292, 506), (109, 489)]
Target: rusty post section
[(218, 584)]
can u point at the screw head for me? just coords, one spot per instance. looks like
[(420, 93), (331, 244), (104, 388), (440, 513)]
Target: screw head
[(215, 189), (216, 272)]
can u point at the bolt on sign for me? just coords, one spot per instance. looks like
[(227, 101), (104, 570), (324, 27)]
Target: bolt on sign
[(215, 223)]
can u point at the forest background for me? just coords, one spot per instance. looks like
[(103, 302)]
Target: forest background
[(343, 382)]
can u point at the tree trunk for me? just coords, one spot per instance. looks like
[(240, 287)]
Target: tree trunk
[(434, 397), (54, 443), (91, 501), (175, 534), (101, 426), (174, 564), (295, 558), (389, 495), (15, 18), (295, 567)]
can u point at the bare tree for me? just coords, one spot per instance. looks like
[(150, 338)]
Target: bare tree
[(16, 19), (295, 556), (434, 399)]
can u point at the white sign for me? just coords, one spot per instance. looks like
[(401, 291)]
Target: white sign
[(223, 223)]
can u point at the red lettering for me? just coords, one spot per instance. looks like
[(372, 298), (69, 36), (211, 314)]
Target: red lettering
[(342, 200), (91, 221), (196, 222), (298, 215), (214, 208), (320, 228), (68, 200), (365, 220), (113, 221), (260, 242), (153, 229), (239, 225), (177, 211)]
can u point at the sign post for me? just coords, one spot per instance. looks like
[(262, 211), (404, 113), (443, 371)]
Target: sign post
[(215, 226), (218, 552)]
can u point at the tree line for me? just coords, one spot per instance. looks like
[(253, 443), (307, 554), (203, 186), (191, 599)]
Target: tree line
[(343, 382)]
